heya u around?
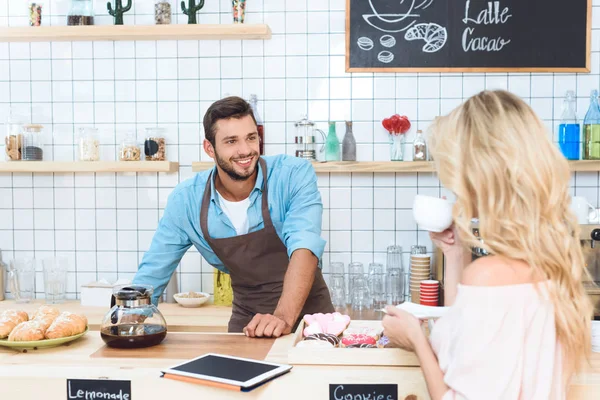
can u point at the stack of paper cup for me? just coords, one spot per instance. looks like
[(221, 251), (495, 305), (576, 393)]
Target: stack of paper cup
[(596, 336), (420, 270), (430, 293)]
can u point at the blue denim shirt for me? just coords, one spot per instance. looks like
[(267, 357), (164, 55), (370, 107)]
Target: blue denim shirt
[(294, 203)]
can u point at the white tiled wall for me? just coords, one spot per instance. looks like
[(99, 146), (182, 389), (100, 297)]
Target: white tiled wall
[(105, 222)]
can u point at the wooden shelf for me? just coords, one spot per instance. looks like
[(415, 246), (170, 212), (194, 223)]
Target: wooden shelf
[(136, 32), (352, 166), (397, 166), (91, 166)]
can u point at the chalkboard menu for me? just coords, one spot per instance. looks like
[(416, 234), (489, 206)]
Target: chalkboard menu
[(468, 35)]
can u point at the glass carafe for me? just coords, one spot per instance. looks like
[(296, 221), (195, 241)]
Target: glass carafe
[(81, 13), (591, 128), (306, 143), (133, 321)]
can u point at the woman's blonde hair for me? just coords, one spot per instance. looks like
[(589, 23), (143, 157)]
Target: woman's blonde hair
[(495, 154)]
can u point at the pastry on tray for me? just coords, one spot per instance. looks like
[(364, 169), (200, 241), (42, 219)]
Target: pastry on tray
[(28, 331), (384, 343), (325, 337), (9, 319), (66, 324), (46, 315), (363, 330), (358, 338), (333, 323)]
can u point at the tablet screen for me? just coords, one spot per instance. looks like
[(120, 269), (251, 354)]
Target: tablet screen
[(225, 368)]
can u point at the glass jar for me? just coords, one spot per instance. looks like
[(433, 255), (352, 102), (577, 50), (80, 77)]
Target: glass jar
[(89, 146), (35, 14), (419, 147), (162, 12), (81, 13), (155, 146), (33, 143), (129, 151), (13, 140)]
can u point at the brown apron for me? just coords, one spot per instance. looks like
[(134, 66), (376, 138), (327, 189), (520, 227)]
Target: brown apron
[(257, 263)]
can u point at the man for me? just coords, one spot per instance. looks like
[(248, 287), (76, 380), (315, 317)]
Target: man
[(256, 218)]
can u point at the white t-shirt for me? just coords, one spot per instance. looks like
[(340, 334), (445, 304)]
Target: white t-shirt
[(237, 212)]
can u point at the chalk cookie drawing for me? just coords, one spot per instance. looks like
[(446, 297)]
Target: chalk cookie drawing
[(434, 36), (387, 41), (385, 57), (364, 43)]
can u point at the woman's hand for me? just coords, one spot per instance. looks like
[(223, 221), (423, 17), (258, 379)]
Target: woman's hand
[(402, 328), (447, 240)]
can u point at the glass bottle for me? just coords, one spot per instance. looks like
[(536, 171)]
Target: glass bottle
[(162, 12), (591, 128), (419, 147), (349, 144), (89, 146), (81, 13), (332, 145), (259, 122), (569, 132)]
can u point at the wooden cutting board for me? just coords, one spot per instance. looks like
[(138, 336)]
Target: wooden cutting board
[(187, 346)]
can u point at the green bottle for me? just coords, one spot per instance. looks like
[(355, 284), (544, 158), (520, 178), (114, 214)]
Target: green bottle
[(332, 145), (591, 129)]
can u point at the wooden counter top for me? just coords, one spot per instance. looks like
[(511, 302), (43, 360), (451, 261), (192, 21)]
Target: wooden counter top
[(50, 368)]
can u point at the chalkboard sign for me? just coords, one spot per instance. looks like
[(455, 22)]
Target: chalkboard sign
[(468, 35), (363, 392), (97, 389)]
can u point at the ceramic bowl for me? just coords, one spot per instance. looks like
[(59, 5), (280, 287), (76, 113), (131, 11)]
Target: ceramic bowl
[(191, 301), (432, 213)]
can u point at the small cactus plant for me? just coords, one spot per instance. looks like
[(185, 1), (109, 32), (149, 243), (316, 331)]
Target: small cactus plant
[(191, 10), (118, 11)]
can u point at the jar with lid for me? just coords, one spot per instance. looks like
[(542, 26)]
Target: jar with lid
[(162, 12), (130, 150), (419, 147), (89, 146), (81, 13), (13, 140), (155, 147), (33, 143)]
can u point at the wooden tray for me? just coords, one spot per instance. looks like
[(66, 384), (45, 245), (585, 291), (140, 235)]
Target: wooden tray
[(344, 356), (187, 346)]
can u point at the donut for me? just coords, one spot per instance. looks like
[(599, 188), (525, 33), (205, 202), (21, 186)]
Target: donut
[(358, 339), (384, 342), (361, 346), (327, 337), (374, 333)]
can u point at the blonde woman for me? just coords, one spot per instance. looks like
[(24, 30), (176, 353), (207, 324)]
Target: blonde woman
[(519, 325)]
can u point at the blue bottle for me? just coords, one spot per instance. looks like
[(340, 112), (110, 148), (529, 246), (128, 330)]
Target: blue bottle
[(569, 132)]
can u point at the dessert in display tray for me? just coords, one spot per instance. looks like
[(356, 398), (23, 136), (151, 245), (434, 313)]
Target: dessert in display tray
[(335, 339)]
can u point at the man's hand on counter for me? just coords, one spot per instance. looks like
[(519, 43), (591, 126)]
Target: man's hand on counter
[(267, 325)]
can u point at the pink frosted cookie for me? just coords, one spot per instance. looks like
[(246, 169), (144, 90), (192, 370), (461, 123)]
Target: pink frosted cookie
[(358, 339), (333, 323)]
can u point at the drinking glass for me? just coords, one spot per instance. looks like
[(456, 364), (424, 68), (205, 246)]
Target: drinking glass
[(337, 268), (337, 289), (55, 279), (22, 279), (361, 299), (394, 257), (355, 269), (377, 285), (395, 286)]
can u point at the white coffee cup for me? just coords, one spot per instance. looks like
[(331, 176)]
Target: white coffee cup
[(594, 216), (581, 207), (432, 213)]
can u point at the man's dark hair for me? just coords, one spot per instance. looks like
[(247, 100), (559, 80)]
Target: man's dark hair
[(226, 108)]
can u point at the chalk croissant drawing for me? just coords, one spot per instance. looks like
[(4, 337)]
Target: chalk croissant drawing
[(434, 36)]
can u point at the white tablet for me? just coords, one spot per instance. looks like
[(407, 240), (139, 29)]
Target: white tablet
[(243, 372)]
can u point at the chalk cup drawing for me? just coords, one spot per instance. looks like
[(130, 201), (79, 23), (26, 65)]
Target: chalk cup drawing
[(387, 41), (385, 57), (394, 23), (364, 43), (434, 36)]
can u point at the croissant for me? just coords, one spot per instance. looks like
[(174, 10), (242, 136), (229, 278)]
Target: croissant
[(66, 324), (46, 315), (27, 331), (9, 319)]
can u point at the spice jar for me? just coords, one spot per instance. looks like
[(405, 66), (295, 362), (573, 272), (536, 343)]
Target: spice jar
[(81, 13), (155, 145), (89, 146), (419, 147), (162, 12), (130, 151), (33, 145)]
